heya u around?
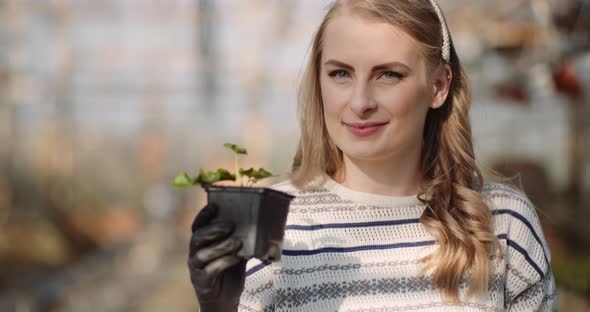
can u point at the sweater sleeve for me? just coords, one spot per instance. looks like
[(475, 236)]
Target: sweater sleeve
[(540, 296), (258, 288), (530, 285)]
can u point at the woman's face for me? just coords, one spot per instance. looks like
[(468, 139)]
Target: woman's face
[(372, 72)]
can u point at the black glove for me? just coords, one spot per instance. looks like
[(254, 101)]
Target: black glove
[(217, 273)]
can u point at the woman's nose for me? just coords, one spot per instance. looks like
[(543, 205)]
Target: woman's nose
[(361, 101)]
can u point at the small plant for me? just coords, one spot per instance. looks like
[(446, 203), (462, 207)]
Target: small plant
[(258, 213), (211, 177)]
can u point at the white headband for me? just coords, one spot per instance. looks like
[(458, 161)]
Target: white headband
[(446, 47)]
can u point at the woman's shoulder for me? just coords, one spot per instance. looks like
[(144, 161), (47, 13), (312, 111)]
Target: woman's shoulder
[(516, 217), (517, 225), (517, 221), (502, 189), (503, 197), (287, 186)]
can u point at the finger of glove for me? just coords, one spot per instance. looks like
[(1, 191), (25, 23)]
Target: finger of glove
[(209, 234), (204, 216), (206, 280), (205, 255), (217, 266), (209, 282)]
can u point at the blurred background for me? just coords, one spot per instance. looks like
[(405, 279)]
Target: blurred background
[(103, 102)]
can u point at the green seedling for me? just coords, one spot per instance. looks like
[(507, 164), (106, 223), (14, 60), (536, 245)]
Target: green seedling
[(205, 178)]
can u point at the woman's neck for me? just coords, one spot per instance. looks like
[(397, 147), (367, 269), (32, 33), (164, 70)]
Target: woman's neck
[(392, 177)]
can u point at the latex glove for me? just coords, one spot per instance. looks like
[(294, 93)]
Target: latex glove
[(217, 273)]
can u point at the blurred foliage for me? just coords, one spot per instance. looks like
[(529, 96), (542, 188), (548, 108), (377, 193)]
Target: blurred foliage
[(573, 273)]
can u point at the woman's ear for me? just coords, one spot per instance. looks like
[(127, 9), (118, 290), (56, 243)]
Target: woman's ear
[(441, 85)]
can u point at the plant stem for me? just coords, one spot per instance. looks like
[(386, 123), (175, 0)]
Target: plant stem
[(238, 176)]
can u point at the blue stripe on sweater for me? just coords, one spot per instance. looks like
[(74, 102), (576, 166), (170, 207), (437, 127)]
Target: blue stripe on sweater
[(315, 227), (527, 224), (525, 254), (310, 252), (257, 268), (295, 253)]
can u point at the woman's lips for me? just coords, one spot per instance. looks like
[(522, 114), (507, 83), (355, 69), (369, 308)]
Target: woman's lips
[(365, 131)]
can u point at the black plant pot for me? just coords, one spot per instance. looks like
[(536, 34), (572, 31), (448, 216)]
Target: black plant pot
[(259, 214)]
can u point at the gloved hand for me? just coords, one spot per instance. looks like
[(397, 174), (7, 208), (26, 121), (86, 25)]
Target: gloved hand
[(217, 273)]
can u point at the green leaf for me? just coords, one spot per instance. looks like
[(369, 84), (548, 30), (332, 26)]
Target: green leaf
[(236, 149), (262, 173), (255, 174), (225, 175), (206, 178), (249, 172), (210, 177), (183, 180)]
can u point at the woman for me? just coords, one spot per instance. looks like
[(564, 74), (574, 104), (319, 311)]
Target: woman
[(391, 212)]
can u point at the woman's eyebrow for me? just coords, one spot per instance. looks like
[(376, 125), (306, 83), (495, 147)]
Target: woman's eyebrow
[(375, 68), (339, 64)]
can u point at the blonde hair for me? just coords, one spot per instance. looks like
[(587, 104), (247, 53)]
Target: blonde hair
[(455, 215)]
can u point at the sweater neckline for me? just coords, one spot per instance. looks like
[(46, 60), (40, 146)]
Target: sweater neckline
[(370, 198)]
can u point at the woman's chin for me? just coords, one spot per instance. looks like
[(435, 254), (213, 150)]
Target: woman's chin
[(356, 154)]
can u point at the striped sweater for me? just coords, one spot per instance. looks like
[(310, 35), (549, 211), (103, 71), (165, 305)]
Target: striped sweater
[(351, 251)]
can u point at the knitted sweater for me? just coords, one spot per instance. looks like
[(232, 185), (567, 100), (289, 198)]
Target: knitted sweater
[(351, 251)]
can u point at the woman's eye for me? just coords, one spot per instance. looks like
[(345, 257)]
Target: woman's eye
[(390, 75), (339, 74)]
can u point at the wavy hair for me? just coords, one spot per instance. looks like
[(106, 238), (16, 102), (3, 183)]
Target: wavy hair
[(455, 213)]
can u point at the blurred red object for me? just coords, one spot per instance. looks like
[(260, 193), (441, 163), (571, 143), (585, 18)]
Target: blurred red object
[(512, 90), (566, 79)]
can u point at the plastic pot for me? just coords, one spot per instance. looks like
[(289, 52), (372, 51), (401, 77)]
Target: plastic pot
[(259, 214)]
